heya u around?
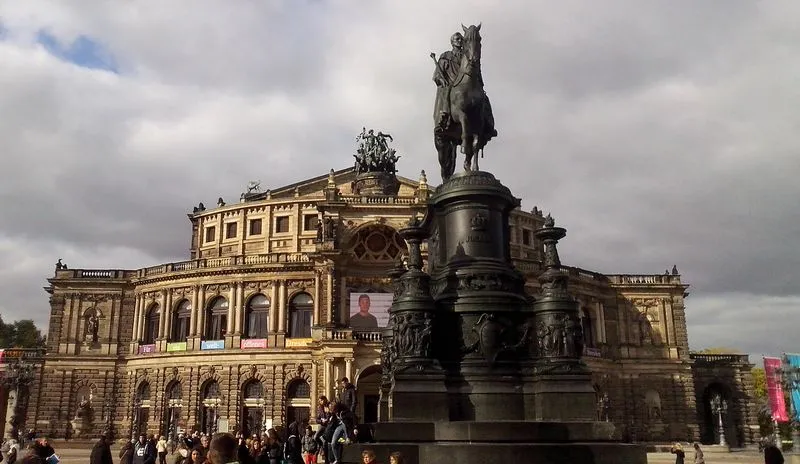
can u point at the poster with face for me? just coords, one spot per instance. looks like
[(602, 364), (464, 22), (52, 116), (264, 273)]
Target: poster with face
[(369, 310)]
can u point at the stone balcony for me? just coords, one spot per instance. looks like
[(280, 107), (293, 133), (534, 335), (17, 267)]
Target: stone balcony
[(200, 264), (644, 279), (719, 359)]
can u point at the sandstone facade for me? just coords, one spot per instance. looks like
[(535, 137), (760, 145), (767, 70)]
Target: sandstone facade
[(254, 326)]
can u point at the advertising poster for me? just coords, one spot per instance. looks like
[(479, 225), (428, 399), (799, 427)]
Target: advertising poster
[(369, 310), (775, 389)]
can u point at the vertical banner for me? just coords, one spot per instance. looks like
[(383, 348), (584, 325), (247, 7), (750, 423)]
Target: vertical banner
[(774, 389), (794, 363)]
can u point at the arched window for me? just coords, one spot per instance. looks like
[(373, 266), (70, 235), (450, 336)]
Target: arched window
[(588, 328), (175, 392), (301, 309), (211, 390), (209, 416), (180, 321), (151, 324), (143, 392), (257, 317), (216, 319), (253, 408), (253, 390), (299, 389)]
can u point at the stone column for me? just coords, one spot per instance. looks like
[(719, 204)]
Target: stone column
[(274, 305), (329, 307), (142, 316), (201, 311), (282, 306), (563, 390), (326, 374), (231, 309), (167, 315), (317, 294), (11, 406), (239, 308), (348, 369), (136, 315), (314, 385), (193, 320), (230, 323), (162, 316)]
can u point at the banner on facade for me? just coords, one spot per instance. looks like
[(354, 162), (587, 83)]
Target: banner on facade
[(794, 363), (212, 345), (145, 349), (774, 389), (251, 343), (370, 310), (176, 346)]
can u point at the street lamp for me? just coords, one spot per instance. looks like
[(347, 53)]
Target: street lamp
[(107, 405), (790, 380), (137, 407), (719, 407)]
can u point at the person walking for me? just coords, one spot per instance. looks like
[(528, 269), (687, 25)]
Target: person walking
[(126, 452), (772, 454), (161, 449), (144, 452), (101, 452), (698, 455), (677, 450), (310, 446)]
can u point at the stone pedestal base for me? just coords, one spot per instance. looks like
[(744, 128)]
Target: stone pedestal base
[(564, 397), (506, 441), (418, 396)]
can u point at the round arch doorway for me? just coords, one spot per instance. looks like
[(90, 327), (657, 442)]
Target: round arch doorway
[(710, 425), (368, 391)]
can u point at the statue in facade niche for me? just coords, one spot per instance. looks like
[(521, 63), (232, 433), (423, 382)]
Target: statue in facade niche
[(462, 112), (92, 328)]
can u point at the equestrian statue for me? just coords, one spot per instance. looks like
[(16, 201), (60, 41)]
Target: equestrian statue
[(462, 113)]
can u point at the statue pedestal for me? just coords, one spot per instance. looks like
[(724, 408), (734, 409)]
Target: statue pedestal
[(376, 183), (499, 392), (418, 396)]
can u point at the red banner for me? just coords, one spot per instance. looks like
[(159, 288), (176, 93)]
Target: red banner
[(777, 403)]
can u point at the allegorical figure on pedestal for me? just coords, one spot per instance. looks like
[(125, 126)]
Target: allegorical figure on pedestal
[(462, 112), (92, 326)]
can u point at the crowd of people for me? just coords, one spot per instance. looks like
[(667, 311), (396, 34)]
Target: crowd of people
[(31, 450)]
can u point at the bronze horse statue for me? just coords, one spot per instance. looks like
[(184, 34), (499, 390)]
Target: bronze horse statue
[(468, 121)]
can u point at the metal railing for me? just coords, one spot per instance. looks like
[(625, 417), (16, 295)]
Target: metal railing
[(719, 358)]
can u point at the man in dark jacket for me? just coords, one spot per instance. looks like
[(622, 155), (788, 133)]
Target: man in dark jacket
[(348, 396), (101, 452), (144, 452), (772, 454), (42, 448)]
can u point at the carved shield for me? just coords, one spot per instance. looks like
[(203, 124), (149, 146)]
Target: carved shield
[(490, 334)]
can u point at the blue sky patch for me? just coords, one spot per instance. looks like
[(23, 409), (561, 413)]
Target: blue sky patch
[(83, 52)]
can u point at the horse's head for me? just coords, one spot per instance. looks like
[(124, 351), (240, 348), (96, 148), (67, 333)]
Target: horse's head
[(472, 44)]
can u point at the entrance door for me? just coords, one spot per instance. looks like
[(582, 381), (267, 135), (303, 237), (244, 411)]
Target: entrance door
[(253, 421), (371, 408), (297, 414)]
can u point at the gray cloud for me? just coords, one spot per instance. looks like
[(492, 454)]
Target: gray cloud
[(657, 133)]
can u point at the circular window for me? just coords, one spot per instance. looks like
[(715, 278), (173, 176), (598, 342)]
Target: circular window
[(377, 243)]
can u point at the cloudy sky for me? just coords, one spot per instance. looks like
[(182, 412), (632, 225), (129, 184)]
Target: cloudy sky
[(658, 133)]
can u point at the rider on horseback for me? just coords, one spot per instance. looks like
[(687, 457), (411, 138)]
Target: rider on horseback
[(444, 76)]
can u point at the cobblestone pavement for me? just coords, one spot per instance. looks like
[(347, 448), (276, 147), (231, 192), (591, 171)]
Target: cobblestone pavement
[(71, 455)]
